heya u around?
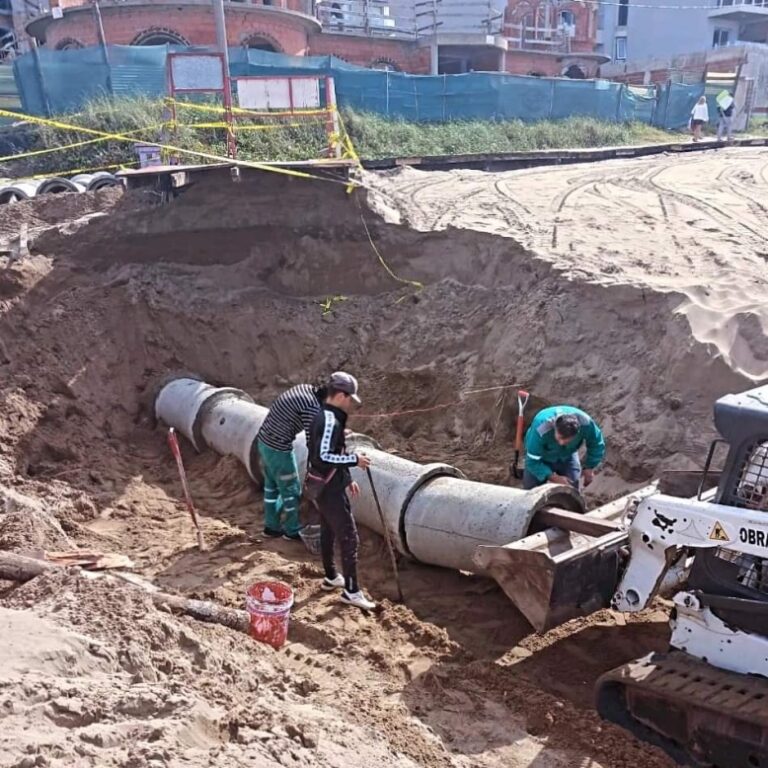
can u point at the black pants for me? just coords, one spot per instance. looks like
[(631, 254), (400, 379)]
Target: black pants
[(337, 524)]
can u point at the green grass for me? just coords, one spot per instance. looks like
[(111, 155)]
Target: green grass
[(376, 137), (373, 137)]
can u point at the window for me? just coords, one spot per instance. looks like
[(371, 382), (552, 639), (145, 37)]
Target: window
[(261, 43), (568, 23), (720, 38), (620, 53), (384, 65), (159, 36), (623, 13)]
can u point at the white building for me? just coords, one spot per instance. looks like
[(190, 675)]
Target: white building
[(648, 29)]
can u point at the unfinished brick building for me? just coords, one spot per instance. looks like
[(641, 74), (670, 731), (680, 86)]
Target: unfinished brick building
[(442, 36)]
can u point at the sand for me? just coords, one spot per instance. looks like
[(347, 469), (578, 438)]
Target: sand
[(692, 226), (228, 282)]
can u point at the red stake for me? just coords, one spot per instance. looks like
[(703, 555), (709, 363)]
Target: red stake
[(173, 442)]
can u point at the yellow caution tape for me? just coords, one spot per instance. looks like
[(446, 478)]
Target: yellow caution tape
[(326, 111), (76, 171), (172, 148), (343, 136), (237, 127), (349, 152), (415, 283), (70, 146)]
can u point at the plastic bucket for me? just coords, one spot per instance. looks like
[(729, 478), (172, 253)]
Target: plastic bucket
[(310, 535), (269, 605)]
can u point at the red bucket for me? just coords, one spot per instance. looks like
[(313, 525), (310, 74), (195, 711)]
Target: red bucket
[(269, 605)]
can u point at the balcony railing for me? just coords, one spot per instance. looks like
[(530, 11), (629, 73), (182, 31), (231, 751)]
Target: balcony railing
[(525, 38), (410, 19), (743, 4), (361, 17)]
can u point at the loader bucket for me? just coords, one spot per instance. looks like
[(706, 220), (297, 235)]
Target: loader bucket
[(556, 575)]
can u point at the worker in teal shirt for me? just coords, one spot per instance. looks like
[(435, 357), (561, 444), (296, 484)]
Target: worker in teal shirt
[(552, 447)]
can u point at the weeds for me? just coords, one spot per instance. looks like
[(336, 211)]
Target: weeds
[(373, 137)]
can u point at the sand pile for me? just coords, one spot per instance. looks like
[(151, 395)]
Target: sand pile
[(232, 281), (690, 226)]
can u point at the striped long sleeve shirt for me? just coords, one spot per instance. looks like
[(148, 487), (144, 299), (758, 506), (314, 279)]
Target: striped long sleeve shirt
[(292, 412)]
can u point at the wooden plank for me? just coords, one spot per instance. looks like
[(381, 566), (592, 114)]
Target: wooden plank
[(576, 522)]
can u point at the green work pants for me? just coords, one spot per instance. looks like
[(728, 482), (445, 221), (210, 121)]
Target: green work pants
[(282, 489)]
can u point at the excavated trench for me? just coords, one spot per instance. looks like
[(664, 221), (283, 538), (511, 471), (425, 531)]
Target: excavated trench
[(273, 281)]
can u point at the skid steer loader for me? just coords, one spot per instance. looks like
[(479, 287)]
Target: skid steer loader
[(705, 701)]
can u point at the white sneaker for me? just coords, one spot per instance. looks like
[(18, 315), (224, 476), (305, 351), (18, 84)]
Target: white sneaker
[(358, 599), (330, 584)]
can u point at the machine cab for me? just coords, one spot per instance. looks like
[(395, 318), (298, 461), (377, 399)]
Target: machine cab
[(742, 420)]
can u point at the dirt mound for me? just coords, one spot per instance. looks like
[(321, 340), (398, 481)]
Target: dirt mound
[(260, 285)]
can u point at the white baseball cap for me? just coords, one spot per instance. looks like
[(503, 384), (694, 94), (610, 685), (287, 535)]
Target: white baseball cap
[(344, 382)]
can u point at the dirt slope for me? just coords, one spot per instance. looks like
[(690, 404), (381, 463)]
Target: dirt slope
[(228, 281)]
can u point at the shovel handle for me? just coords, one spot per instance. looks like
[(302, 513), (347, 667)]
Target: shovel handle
[(387, 537), (522, 401)]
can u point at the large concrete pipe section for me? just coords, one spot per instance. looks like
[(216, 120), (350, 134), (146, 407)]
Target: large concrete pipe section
[(433, 513), (437, 516), (222, 418), (448, 518), (397, 481), (230, 423)]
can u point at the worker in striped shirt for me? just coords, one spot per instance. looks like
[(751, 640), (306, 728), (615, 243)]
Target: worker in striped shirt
[(292, 412)]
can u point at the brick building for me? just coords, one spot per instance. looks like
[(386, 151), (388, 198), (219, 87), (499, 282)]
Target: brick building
[(530, 37)]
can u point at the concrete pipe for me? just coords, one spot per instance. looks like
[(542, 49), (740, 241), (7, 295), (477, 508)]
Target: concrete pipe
[(396, 480), (222, 418), (449, 518), (58, 186), (433, 513), (178, 403), (22, 190), (231, 424), (96, 181)]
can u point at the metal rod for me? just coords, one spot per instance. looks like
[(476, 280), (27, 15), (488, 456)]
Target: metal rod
[(387, 537)]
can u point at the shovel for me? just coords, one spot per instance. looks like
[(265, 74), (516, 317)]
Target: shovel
[(522, 401)]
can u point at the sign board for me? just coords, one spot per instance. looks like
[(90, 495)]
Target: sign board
[(278, 92), (197, 72), (724, 100), (148, 155)]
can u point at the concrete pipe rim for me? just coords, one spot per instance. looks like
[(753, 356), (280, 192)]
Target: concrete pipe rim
[(13, 195), (431, 472), (103, 182), (163, 382), (58, 186), (552, 495), (219, 394)]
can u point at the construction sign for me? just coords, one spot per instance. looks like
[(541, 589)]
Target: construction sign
[(718, 532)]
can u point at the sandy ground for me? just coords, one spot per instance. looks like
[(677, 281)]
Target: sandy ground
[(692, 226), (227, 282)]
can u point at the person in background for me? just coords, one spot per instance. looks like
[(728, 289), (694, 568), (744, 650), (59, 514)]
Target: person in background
[(329, 460), (552, 446), (725, 118), (699, 116), (292, 412)]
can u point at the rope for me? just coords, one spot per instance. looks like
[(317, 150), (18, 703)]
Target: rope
[(441, 406)]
